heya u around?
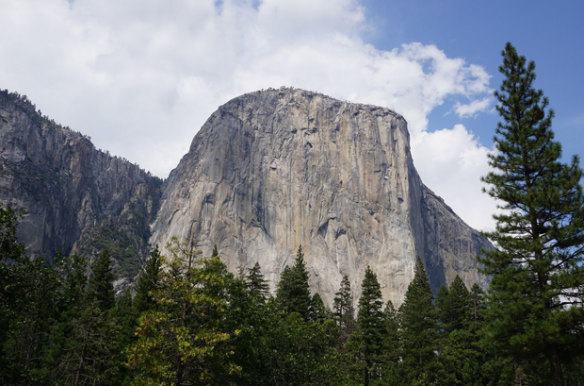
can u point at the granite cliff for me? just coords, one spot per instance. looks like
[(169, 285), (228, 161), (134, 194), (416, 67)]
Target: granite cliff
[(272, 170), (77, 199)]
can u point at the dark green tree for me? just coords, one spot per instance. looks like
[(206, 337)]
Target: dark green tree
[(256, 284), (343, 312), (293, 292), (392, 345), (419, 335), (372, 324), (101, 286), (93, 355), (317, 311), (11, 251), (534, 314), (453, 305), (148, 282)]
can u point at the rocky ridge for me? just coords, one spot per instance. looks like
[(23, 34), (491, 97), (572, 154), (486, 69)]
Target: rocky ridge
[(77, 199), (272, 170)]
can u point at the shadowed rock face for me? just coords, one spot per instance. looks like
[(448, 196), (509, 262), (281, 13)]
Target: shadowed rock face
[(272, 170), (76, 198)]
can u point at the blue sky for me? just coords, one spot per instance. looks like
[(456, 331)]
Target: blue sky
[(551, 34), (141, 76)]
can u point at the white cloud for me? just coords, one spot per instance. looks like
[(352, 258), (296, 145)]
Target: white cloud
[(141, 77), (451, 162), (471, 109)]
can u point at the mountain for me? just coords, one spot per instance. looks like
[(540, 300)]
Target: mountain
[(274, 170), (77, 199)]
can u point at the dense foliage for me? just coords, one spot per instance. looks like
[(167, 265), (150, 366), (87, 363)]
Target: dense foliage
[(191, 322)]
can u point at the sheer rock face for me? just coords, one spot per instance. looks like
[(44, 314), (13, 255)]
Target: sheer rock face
[(272, 170), (70, 190)]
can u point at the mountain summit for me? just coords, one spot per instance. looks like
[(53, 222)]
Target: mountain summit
[(274, 170)]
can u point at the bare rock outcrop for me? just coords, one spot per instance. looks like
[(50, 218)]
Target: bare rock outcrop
[(76, 198), (272, 170)]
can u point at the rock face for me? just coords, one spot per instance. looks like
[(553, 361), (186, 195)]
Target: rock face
[(272, 170), (76, 198)]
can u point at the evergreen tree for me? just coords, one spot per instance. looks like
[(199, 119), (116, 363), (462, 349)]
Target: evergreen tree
[(148, 282), (453, 305), (11, 252), (392, 344), (317, 311), (95, 331), (344, 312), (418, 323), (477, 301), (101, 286), (371, 322), (255, 283), (535, 298), (293, 292)]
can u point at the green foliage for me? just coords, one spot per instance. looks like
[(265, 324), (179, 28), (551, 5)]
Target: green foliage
[(148, 283), (371, 323), (343, 311), (303, 352), (317, 311), (534, 314), (101, 287), (255, 283), (419, 323), (184, 339), (453, 305), (293, 292)]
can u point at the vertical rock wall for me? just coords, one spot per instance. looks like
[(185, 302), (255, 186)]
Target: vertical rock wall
[(276, 169)]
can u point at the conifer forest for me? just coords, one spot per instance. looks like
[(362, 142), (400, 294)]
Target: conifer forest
[(189, 321)]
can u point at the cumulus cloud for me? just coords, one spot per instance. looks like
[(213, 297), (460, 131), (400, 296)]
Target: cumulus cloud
[(141, 77), (454, 161), (471, 109)]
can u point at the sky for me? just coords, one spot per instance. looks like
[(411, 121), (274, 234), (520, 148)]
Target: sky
[(140, 77)]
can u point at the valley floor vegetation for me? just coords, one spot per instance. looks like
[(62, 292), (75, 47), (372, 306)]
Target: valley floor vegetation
[(191, 322), (188, 321)]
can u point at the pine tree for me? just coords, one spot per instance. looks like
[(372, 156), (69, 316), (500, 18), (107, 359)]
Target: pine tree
[(392, 344), (255, 283), (418, 322), (459, 305), (344, 311), (317, 311), (101, 287), (536, 293), (148, 282), (293, 292), (371, 322)]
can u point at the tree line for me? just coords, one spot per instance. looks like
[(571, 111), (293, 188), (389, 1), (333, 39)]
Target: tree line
[(191, 322)]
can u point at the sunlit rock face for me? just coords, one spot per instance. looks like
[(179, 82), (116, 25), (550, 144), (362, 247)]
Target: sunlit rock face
[(272, 170)]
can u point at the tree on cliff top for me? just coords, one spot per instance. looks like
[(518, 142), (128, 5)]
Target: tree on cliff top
[(536, 294)]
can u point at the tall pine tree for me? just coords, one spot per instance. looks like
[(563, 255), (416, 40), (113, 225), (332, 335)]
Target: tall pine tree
[(372, 323), (344, 311), (535, 299), (293, 292), (419, 322)]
